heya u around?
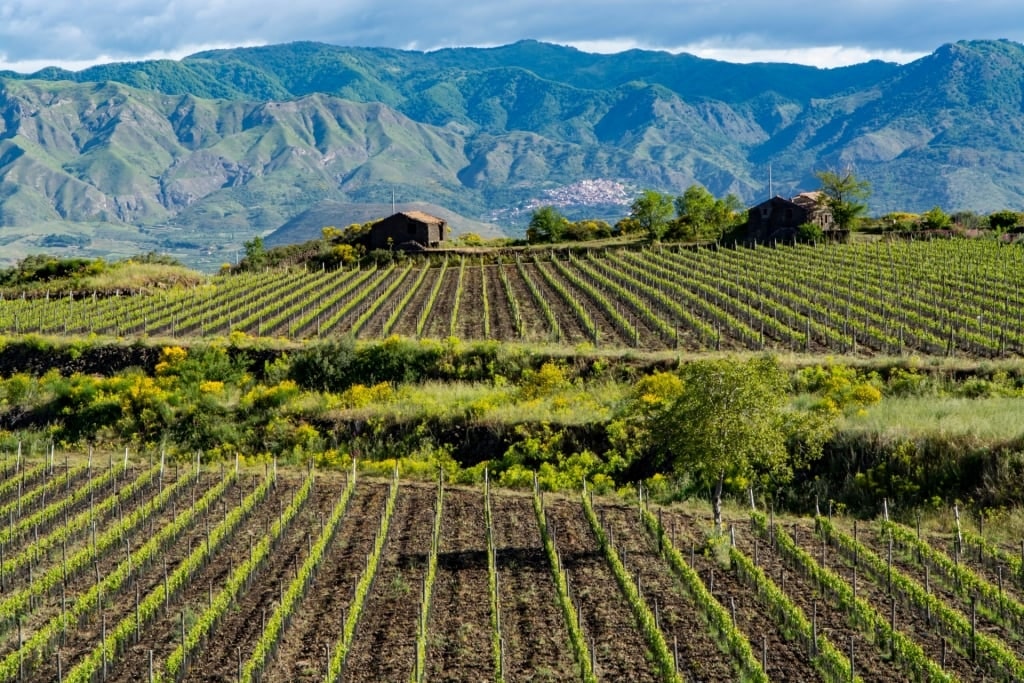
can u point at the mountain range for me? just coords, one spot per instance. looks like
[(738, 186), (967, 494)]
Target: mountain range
[(194, 157)]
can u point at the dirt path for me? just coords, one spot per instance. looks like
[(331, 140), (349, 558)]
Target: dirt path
[(536, 639), (243, 624), (439, 319), (301, 655), (684, 627), (503, 326), (908, 619), (460, 615), (385, 646), (617, 644), (470, 322)]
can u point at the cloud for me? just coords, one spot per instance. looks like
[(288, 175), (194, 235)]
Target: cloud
[(76, 33)]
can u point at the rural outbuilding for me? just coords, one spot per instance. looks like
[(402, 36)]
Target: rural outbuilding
[(779, 218), (409, 231)]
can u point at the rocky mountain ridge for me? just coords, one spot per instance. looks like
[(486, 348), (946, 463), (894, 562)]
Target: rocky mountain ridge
[(193, 157)]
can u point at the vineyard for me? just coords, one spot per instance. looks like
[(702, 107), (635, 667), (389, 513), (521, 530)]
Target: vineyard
[(129, 570), (936, 298)]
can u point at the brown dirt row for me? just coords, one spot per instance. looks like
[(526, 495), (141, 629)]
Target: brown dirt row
[(164, 633), (27, 473), (367, 296), (324, 312), (44, 561), (906, 560), (909, 619), (45, 492), (535, 324), (273, 304), (536, 639), (27, 481), (872, 664), (470, 322), (619, 648), (439, 319), (986, 567), (242, 627), (312, 299), (571, 329), (460, 617), (85, 578), (687, 337), (374, 327), (502, 325), (301, 655), (86, 636), (648, 337), (385, 645), (684, 628), (410, 316)]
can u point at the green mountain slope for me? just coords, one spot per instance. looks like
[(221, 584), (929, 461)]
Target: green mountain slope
[(198, 155)]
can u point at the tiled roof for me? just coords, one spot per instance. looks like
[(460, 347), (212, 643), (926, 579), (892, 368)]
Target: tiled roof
[(422, 217)]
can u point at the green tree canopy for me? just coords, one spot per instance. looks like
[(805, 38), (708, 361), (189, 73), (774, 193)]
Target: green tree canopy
[(652, 212), (1003, 220), (547, 225), (727, 424), (845, 194), (703, 216), (936, 219)]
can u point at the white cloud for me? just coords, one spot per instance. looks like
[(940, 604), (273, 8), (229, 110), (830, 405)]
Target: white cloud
[(28, 66), (824, 56), (77, 33)]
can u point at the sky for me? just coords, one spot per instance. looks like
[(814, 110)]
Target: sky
[(75, 34)]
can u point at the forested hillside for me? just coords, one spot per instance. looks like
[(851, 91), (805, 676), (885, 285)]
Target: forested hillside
[(196, 156)]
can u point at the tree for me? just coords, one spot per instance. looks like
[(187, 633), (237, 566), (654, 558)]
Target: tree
[(547, 225), (1005, 219), (652, 211), (935, 219), (703, 216), (255, 252), (845, 195), (728, 423)]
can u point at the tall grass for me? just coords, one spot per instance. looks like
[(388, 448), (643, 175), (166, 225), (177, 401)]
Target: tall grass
[(980, 419)]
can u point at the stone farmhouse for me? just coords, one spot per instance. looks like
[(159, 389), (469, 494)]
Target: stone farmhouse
[(408, 231), (778, 217)]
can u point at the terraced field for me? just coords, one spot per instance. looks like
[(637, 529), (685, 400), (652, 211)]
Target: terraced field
[(128, 570), (933, 298)]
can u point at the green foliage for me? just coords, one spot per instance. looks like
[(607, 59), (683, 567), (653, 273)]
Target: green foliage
[(845, 194), (727, 424), (1005, 219), (546, 225), (936, 219), (810, 232), (901, 221), (42, 268), (652, 211), (702, 216)]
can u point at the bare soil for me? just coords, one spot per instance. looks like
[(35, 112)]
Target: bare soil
[(385, 646), (684, 627), (470, 322), (460, 614), (318, 621), (439, 319), (536, 639), (617, 645), (914, 623)]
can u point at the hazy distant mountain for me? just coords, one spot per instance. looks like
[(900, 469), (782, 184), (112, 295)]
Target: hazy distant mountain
[(194, 157)]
